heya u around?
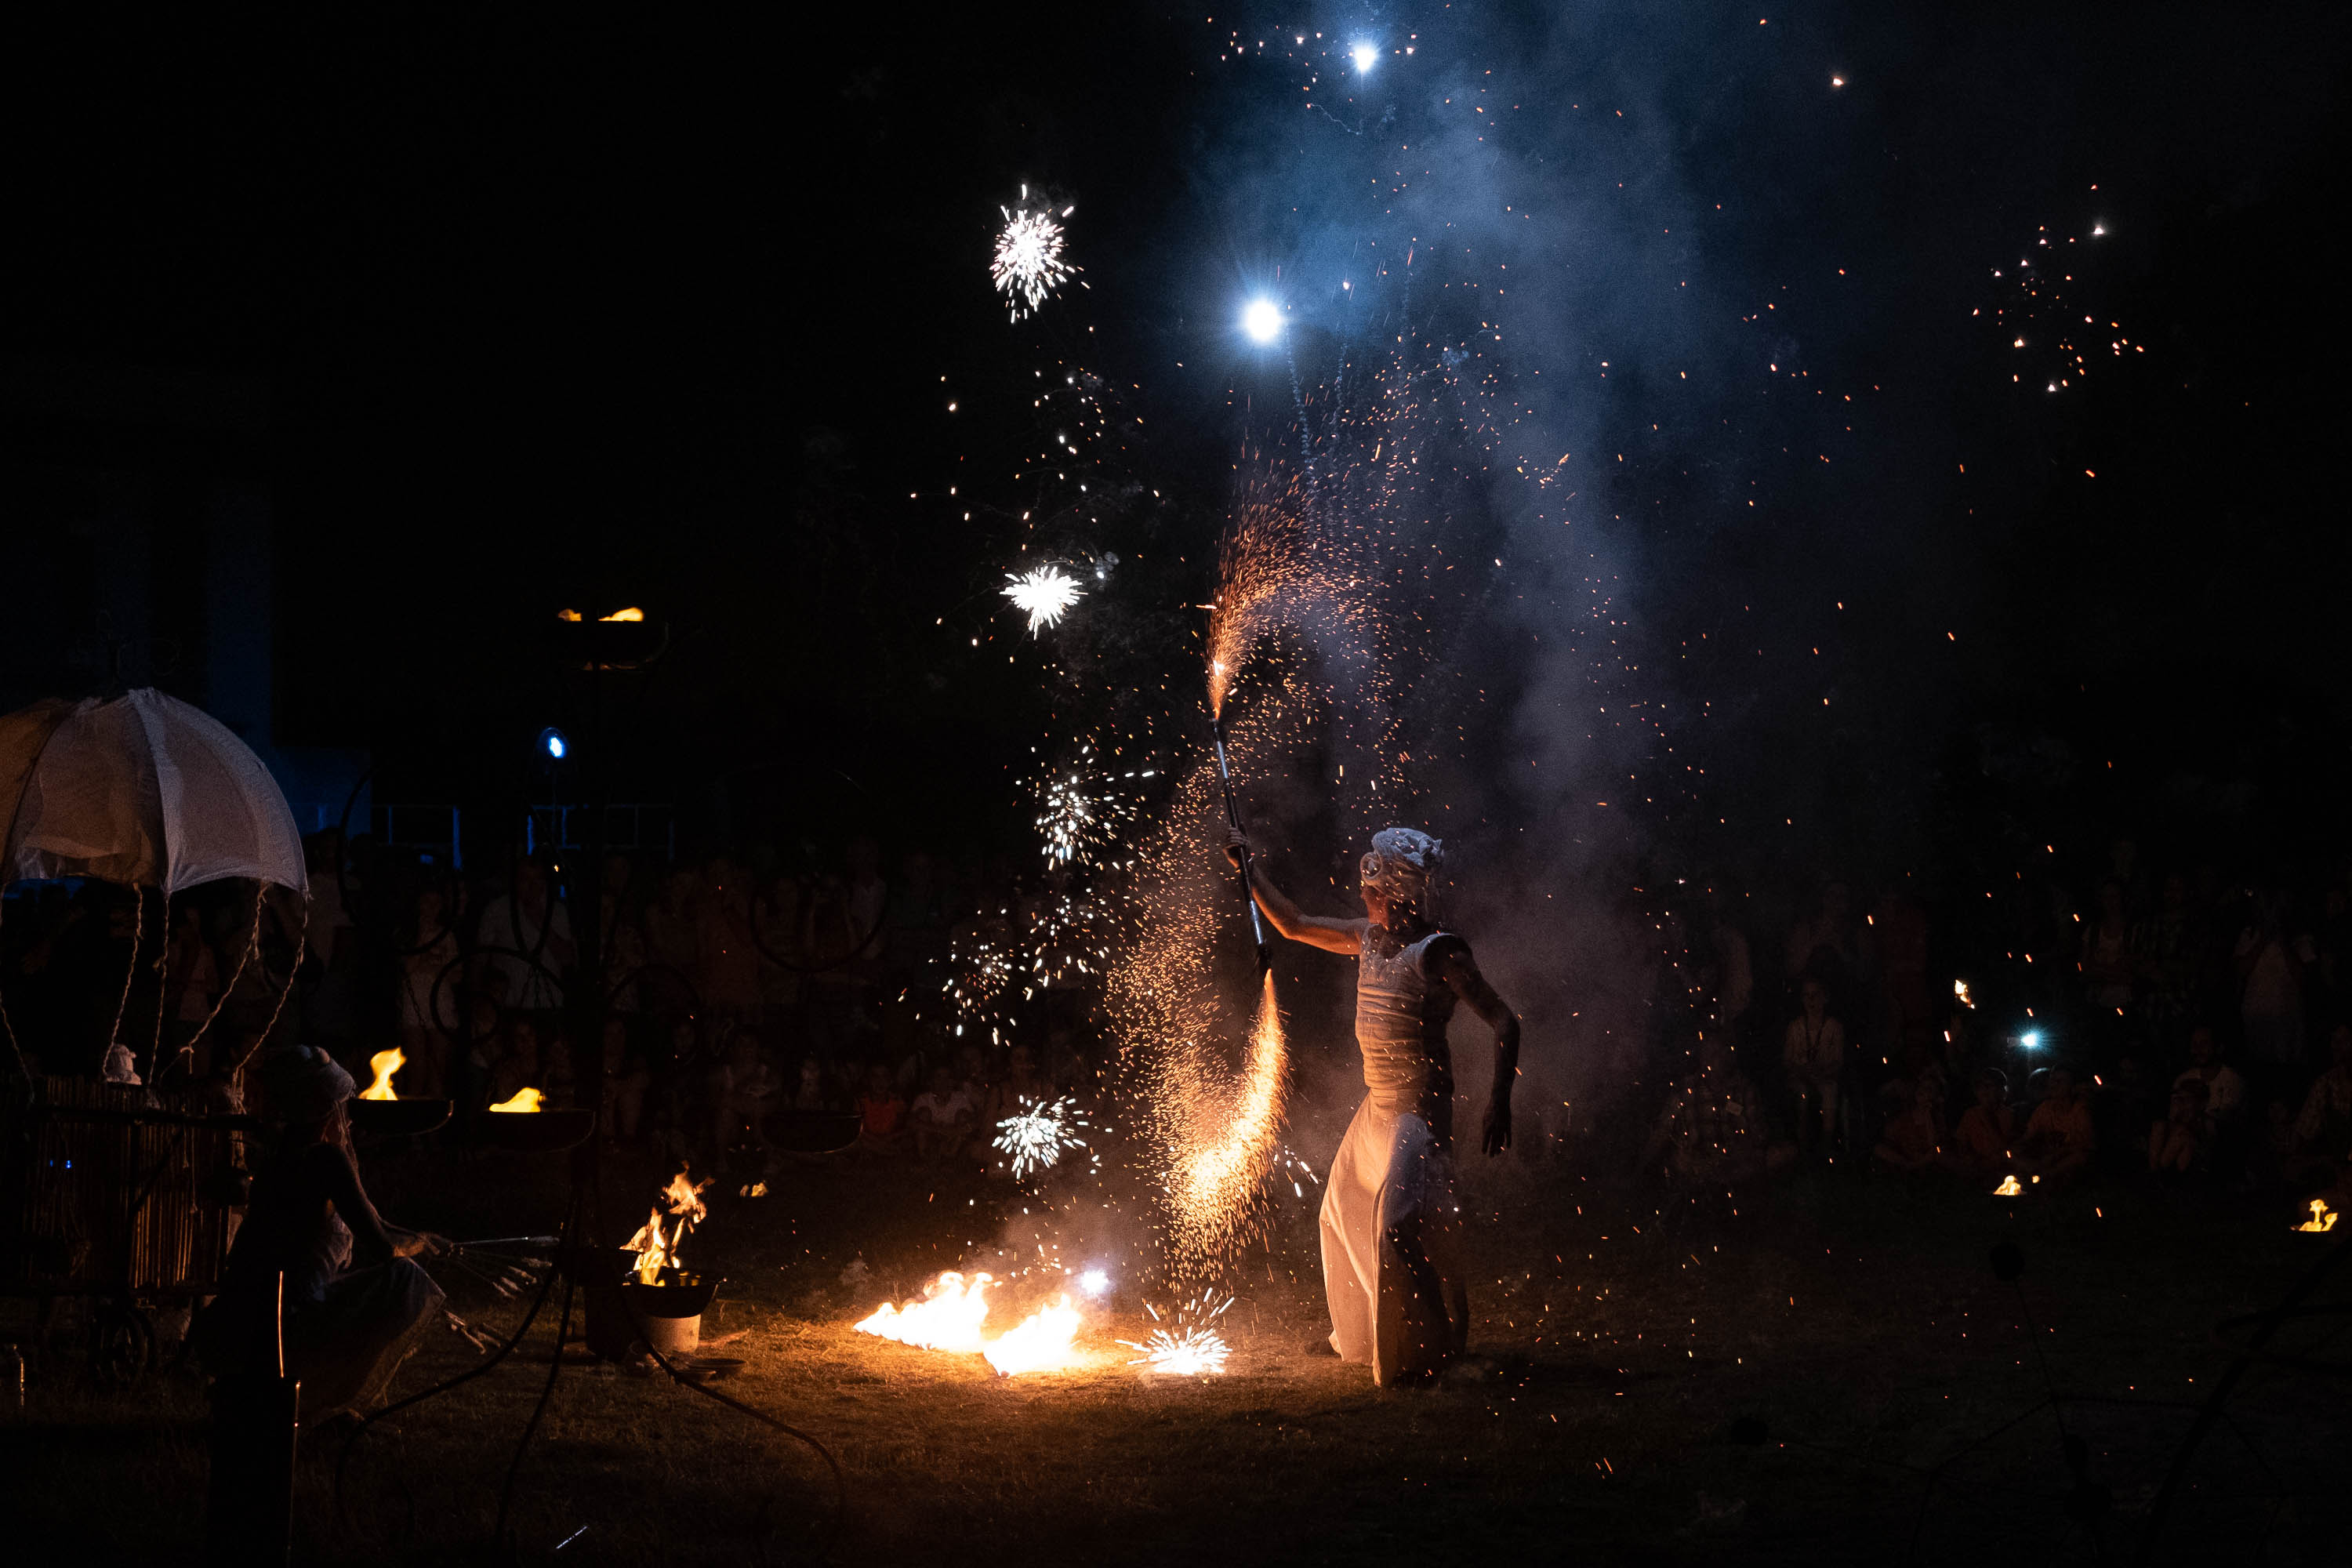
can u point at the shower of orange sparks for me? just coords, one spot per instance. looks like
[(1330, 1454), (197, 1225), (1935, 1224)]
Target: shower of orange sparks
[(1213, 1182)]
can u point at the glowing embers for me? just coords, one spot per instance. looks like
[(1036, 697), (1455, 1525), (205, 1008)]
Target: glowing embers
[(2323, 1218), (1185, 1349), (384, 1064), (523, 1099), (952, 1312)]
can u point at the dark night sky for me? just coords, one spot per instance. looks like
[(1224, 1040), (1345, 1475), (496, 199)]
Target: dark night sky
[(621, 312)]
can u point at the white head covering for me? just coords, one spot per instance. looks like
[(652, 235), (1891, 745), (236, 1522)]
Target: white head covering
[(305, 1084), (1400, 863)]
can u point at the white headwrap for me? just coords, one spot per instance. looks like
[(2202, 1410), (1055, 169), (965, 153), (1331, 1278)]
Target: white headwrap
[(1400, 863)]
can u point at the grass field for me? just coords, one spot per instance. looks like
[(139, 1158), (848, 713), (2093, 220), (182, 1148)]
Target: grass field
[(1903, 1391)]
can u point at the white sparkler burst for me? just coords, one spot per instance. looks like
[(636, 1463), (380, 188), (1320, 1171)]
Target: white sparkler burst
[(1028, 265), (1043, 594), (1040, 1133), (1188, 1350)]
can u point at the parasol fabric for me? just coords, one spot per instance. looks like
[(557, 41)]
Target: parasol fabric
[(145, 790)]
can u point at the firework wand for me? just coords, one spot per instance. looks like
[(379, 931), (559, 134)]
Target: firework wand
[(1234, 816)]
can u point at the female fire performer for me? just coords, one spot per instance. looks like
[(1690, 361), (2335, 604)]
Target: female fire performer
[(1395, 1287), (313, 1249)]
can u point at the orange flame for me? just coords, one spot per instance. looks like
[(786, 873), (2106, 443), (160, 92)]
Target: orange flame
[(654, 1253), (385, 1064), (948, 1317), (1040, 1343), (2322, 1217), (525, 1099)]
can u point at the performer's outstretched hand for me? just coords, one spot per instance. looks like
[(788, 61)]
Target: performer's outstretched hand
[(1498, 1134), (1236, 846)]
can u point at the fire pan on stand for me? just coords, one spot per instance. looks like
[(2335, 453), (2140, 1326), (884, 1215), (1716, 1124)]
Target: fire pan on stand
[(622, 1309)]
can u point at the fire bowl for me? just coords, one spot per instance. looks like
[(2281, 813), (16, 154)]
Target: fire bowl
[(535, 1132), (396, 1118), (810, 1131)]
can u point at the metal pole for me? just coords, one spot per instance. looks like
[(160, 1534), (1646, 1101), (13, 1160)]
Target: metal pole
[(1234, 816)]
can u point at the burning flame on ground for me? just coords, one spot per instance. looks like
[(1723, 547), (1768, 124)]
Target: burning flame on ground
[(385, 1064), (1040, 1343), (1212, 1183), (2322, 1217), (2009, 1188), (949, 1316), (525, 1099), (1960, 993)]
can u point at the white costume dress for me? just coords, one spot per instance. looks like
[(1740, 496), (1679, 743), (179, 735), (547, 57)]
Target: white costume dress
[(1391, 1222)]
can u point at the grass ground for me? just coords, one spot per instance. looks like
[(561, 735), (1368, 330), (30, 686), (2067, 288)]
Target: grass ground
[(1902, 1387)]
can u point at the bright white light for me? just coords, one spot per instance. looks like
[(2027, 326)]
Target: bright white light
[(1262, 321), (1364, 56), (1094, 1281), (2030, 1039), (1043, 594), (553, 741)]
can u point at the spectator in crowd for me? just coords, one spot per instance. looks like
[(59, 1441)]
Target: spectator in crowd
[(1899, 926), (1831, 944), (2225, 1096), (626, 1078), (556, 1079), (881, 1115), (743, 1088), (1981, 1143), (2106, 956), (727, 972), (2323, 1129), (1909, 1142), (525, 935), (2060, 1137), (1728, 967), (430, 981), (776, 913), (1812, 1049), (1712, 1131), (811, 1094), (516, 1066), (2272, 958), (942, 1117), (2178, 1142), (1018, 1086), (2164, 965)]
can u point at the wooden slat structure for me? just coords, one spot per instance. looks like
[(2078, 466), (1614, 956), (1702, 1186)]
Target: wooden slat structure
[(115, 1191)]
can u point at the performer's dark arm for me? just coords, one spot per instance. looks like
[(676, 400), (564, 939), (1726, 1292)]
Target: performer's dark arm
[(1460, 971), (1288, 919)]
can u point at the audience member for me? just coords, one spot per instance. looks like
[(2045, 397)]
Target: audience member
[(1812, 1049), (880, 1115), (942, 1117), (1981, 1143), (2060, 1137), (1712, 1131)]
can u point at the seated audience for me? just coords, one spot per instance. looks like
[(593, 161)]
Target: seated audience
[(1712, 1130), (2178, 1144), (881, 1115), (1981, 1143), (942, 1117), (2059, 1136)]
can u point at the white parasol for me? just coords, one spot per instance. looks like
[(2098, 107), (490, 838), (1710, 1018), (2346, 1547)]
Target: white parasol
[(143, 790)]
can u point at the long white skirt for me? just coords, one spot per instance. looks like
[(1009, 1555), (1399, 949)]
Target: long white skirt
[(1391, 1173)]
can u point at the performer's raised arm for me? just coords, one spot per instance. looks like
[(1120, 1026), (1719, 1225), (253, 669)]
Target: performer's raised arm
[(1460, 971), (1288, 919)]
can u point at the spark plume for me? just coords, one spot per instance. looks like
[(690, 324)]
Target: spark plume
[(1214, 1181), (1043, 594), (1028, 265), (1186, 1349)]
